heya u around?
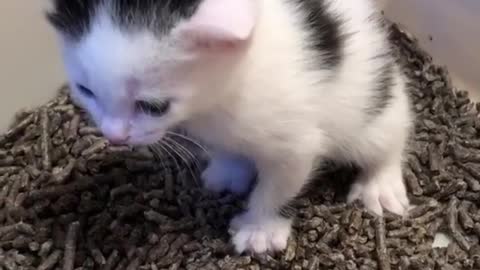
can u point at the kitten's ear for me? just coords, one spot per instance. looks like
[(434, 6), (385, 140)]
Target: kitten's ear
[(219, 25)]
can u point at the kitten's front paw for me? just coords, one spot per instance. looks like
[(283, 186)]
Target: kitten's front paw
[(232, 174), (260, 234), (381, 193)]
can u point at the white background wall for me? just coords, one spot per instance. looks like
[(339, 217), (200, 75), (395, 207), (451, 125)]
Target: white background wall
[(453, 25), (30, 69)]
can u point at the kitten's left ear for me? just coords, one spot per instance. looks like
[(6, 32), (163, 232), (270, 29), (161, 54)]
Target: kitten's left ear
[(219, 25)]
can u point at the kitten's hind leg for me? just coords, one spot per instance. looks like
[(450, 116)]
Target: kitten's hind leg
[(379, 151), (228, 172), (382, 187)]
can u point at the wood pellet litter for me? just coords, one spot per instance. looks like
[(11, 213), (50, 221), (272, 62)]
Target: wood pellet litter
[(69, 200)]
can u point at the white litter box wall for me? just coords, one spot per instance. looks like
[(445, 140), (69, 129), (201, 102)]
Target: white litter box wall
[(30, 68), (447, 29)]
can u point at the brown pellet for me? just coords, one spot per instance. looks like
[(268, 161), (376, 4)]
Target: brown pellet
[(17, 128), (96, 147), (112, 259), (355, 220), (423, 209), (452, 217), (51, 260), (70, 246), (73, 128), (45, 139), (60, 175), (412, 182), (382, 254)]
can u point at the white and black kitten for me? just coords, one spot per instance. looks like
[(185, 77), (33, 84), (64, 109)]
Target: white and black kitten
[(272, 86)]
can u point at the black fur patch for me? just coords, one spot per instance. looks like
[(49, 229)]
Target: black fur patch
[(382, 91), (326, 36), (74, 17), (158, 15)]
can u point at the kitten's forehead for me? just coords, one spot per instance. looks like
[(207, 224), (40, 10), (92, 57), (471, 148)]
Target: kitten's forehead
[(74, 18), (103, 58)]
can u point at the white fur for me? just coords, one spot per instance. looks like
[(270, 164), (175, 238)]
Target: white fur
[(270, 234), (264, 102)]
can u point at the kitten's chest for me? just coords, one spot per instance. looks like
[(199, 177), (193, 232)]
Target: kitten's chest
[(222, 132)]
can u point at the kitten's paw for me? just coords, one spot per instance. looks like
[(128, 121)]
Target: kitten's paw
[(235, 175), (382, 193), (259, 234)]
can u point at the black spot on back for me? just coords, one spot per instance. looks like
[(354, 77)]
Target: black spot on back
[(326, 36), (74, 17)]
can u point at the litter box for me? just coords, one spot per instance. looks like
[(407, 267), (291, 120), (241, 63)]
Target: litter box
[(68, 200)]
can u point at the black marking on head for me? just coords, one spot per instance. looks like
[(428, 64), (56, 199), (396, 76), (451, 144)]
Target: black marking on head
[(326, 36), (74, 17), (157, 16), (383, 88)]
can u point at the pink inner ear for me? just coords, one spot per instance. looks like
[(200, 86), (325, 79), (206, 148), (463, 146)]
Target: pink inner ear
[(221, 23)]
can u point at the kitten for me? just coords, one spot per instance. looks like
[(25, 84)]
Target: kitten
[(272, 86)]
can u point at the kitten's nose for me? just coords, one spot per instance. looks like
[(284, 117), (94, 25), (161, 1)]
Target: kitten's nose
[(115, 131)]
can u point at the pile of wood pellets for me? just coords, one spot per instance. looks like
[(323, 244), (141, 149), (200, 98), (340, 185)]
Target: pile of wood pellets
[(69, 200)]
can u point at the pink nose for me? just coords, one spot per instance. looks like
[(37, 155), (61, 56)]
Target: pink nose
[(115, 131)]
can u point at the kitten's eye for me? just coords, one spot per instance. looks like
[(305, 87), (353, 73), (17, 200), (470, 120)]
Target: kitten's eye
[(85, 91), (152, 108)]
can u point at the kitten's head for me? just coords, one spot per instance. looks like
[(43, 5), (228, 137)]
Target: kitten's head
[(140, 67)]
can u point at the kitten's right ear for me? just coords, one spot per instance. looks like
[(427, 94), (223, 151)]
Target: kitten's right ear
[(219, 25)]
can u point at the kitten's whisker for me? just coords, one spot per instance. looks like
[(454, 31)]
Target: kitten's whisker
[(159, 156), (186, 151), (156, 152), (184, 159), (161, 145), (190, 155), (189, 140)]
